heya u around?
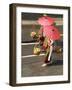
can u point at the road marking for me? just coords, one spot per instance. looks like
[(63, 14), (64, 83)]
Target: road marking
[(29, 43), (32, 55), (58, 21)]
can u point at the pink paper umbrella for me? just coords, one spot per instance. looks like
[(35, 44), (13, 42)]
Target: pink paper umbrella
[(51, 32), (45, 20)]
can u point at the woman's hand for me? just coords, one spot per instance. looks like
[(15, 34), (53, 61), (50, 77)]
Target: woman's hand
[(50, 42)]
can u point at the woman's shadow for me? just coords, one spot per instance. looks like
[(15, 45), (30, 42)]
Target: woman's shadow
[(57, 62)]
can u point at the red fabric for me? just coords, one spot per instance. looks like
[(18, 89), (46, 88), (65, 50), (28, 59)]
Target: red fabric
[(45, 20), (51, 32)]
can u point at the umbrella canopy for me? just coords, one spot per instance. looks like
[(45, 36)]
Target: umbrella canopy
[(45, 20), (51, 32)]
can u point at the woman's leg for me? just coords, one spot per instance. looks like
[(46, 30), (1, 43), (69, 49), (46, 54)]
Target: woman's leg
[(46, 58), (50, 53)]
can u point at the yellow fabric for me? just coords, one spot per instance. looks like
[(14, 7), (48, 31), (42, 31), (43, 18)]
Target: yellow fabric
[(36, 51)]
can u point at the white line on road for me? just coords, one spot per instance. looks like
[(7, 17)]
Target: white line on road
[(32, 55), (58, 21), (29, 43)]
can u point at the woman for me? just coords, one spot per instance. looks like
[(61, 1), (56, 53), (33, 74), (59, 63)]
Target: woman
[(49, 49), (47, 45)]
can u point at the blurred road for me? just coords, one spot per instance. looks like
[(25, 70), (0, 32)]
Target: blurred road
[(31, 66)]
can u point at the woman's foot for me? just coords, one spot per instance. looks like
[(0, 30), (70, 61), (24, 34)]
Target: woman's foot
[(48, 63), (43, 65)]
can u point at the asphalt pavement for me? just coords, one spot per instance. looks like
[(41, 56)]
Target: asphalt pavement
[(31, 66)]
